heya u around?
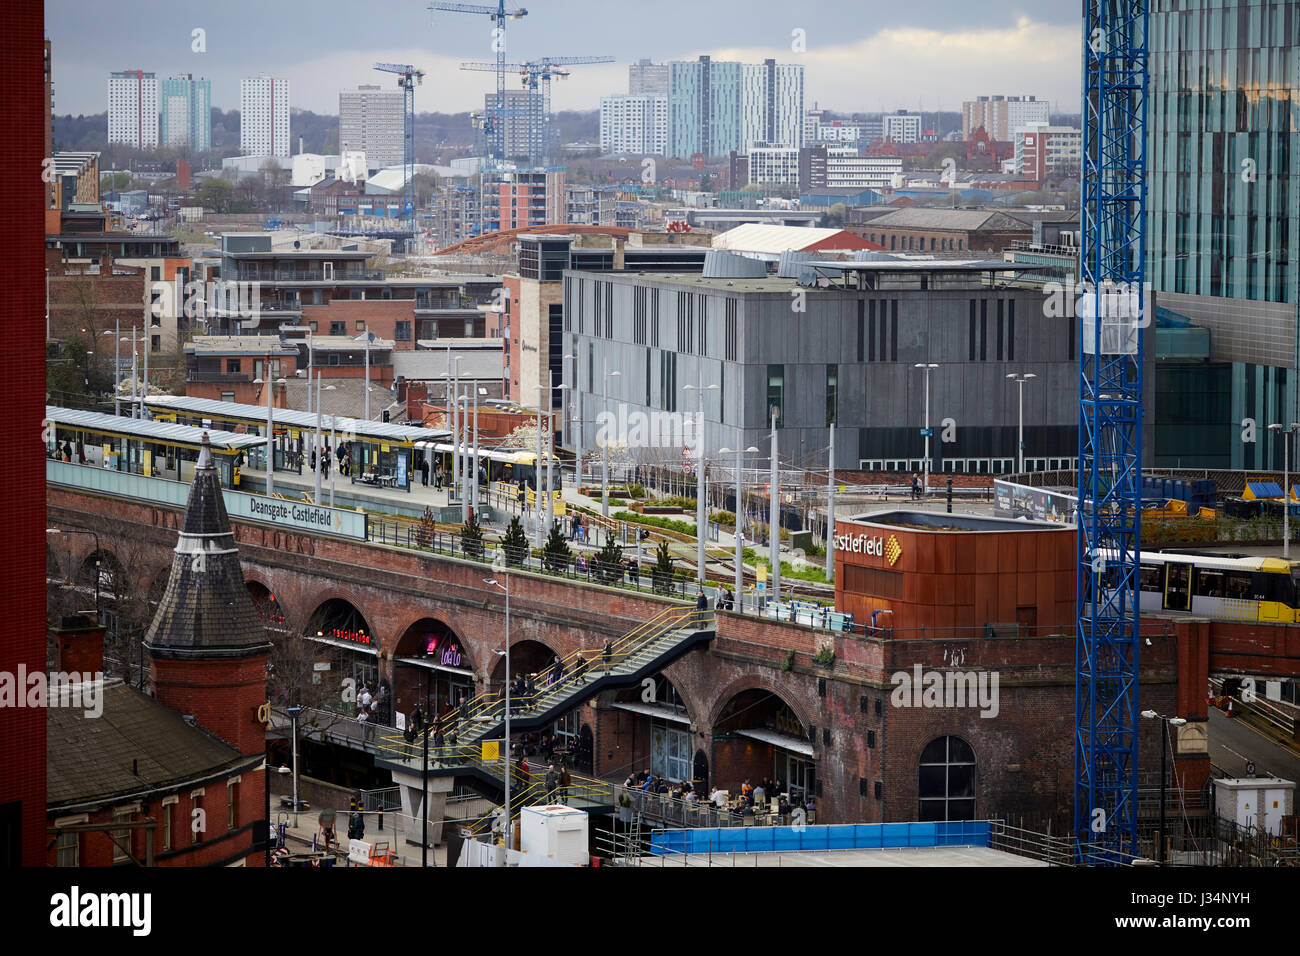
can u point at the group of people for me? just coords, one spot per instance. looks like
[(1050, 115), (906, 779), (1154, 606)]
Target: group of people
[(63, 452), (649, 783), (579, 529)]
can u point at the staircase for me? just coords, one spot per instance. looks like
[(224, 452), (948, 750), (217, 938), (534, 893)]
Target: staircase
[(641, 653)]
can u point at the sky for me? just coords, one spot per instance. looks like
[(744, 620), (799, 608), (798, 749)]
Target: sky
[(860, 55)]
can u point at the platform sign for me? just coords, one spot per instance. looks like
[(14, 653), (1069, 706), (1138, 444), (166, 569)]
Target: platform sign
[(490, 750)]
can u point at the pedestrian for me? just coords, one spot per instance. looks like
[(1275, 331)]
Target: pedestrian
[(701, 602), (580, 670), (424, 472), (608, 655), (464, 708), (523, 773), (574, 524), (552, 779), (530, 690), (565, 782), (916, 487)]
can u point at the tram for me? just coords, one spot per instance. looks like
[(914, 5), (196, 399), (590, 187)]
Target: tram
[(501, 466), (141, 447), (1223, 587)]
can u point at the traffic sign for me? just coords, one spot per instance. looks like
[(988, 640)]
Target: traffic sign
[(927, 432)]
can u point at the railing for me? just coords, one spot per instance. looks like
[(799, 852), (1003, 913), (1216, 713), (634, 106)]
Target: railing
[(668, 809), (218, 377)]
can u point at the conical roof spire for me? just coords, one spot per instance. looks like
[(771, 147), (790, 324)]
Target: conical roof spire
[(206, 611)]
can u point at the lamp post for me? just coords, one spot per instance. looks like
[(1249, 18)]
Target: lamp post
[(699, 390), (929, 367), (740, 565), (505, 749), (424, 802), (544, 402), (576, 422), (463, 400), (456, 423), (563, 388), (94, 535), (774, 517), (1020, 380), (320, 451), (367, 337), (1165, 722), (604, 475), (474, 481), (1286, 433), (117, 369), (293, 722), (830, 509)]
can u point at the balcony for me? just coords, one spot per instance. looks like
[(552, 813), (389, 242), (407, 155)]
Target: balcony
[(207, 376)]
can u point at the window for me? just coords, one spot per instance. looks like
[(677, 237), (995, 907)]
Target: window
[(227, 396), (730, 330), (232, 366), (947, 780), (168, 811), (232, 804), (198, 818), (403, 331), (776, 393), (69, 849), (832, 392), (338, 328), (361, 325), (670, 752), (122, 837), (312, 326)]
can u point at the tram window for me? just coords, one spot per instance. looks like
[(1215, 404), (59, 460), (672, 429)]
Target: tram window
[(1209, 583), (1151, 578), (1272, 587), (1237, 585)]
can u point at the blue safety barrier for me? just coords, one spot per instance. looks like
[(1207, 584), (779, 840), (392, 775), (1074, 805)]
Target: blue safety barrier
[(852, 836)]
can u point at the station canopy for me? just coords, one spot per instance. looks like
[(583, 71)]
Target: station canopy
[(146, 430), (255, 415)]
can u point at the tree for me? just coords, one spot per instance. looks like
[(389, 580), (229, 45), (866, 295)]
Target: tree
[(425, 531), (661, 574), (834, 218), (555, 553), (471, 538), (215, 194), (514, 543), (609, 562)]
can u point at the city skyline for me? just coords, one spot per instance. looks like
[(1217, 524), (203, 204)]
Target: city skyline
[(931, 56)]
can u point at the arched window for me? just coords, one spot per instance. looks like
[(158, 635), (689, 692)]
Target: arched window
[(947, 780)]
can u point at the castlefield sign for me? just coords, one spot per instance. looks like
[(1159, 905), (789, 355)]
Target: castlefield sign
[(873, 545), (296, 515)]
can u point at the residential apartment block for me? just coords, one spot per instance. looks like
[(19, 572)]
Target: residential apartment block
[(371, 120), (133, 109), (1001, 116), (715, 107), (264, 116), (634, 124), (187, 113)]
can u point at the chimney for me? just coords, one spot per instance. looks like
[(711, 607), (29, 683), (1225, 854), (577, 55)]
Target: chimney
[(79, 644)]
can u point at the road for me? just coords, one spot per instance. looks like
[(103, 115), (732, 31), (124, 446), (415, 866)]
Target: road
[(1232, 743)]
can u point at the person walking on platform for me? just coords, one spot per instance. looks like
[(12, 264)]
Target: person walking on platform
[(424, 472)]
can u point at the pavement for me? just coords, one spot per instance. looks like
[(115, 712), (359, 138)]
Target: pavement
[(1233, 742)]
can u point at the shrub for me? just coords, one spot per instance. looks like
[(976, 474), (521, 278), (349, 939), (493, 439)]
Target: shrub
[(514, 543), (471, 538)]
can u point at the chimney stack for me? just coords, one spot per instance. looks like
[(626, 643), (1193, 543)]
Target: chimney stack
[(79, 644)]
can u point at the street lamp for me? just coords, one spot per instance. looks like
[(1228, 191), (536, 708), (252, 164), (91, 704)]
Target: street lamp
[(1164, 750), (95, 535), (117, 371), (699, 471), (740, 566), (505, 750), (929, 367), (577, 418), (473, 488), (604, 477), (293, 730), (1020, 379), (320, 451), (543, 402), (1286, 432)]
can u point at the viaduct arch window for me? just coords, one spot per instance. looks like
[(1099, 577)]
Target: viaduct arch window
[(947, 780)]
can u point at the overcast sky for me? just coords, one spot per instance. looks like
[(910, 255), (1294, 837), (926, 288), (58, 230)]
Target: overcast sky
[(860, 54)]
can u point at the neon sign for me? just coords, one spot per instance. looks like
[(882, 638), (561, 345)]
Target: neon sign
[(451, 654)]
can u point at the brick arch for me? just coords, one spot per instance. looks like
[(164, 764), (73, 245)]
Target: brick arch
[(678, 674), (324, 597), (910, 752), (752, 682)]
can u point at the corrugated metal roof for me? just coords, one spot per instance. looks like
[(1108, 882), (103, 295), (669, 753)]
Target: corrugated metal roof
[(142, 428), (760, 237), (256, 414), (918, 217)]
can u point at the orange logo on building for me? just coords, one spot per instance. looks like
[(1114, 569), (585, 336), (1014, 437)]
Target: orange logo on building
[(893, 551)]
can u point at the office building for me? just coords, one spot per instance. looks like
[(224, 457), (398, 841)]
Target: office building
[(371, 121), (774, 166), (1041, 149), (647, 79), (1001, 116), (264, 116), (715, 107), (1223, 159), (634, 124), (187, 113), (843, 167), (846, 360), (901, 127), (133, 109), (591, 205)]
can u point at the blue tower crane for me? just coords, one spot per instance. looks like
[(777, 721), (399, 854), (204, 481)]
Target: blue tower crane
[(408, 77), (498, 14), (1113, 313), (535, 73)]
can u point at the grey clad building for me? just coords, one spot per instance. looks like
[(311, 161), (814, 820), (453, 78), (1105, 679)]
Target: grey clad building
[(843, 351)]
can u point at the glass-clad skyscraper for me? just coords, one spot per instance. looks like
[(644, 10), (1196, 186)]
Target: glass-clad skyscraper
[(1223, 233)]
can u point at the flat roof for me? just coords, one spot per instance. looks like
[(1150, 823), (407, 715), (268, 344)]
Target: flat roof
[(256, 415), (240, 345), (301, 253), (149, 430), (928, 521), (921, 265)]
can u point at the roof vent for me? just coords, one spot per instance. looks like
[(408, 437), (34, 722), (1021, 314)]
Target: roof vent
[(720, 264), (791, 262)]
